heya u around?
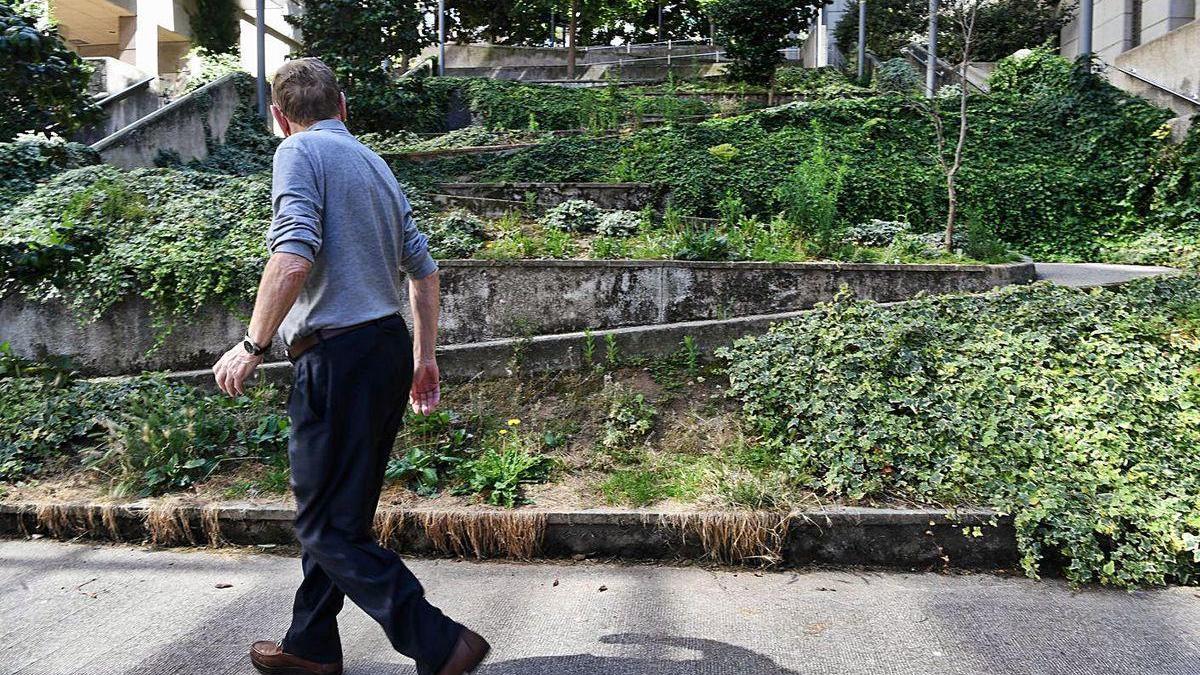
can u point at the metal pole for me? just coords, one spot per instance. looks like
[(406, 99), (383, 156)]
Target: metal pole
[(441, 37), (260, 25), (553, 30), (931, 57), (1085, 31), (660, 21), (862, 39)]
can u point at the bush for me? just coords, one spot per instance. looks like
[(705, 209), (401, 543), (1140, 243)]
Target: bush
[(897, 76), (876, 232), (573, 215), (1036, 72), (507, 464), (619, 224), (630, 418), (458, 234), (1073, 410), (44, 84), (144, 435), (25, 163), (754, 32)]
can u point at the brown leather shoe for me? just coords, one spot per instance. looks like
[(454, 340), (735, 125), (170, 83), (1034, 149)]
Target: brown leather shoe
[(467, 654), (268, 657)]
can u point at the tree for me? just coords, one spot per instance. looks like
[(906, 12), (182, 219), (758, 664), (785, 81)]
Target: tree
[(362, 41), (753, 32), (963, 15), (1003, 27), (43, 85), (215, 26)]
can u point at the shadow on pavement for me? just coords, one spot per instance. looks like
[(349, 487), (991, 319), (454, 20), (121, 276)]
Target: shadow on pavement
[(715, 657)]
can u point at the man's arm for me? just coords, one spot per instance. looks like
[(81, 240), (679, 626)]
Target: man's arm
[(281, 283), (424, 295)]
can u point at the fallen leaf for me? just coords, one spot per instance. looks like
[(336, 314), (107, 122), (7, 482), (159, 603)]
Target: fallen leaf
[(556, 582), (603, 588), (224, 585)]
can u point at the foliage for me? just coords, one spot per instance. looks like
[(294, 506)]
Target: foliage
[(825, 81), (146, 435), (809, 196), (26, 163), (630, 418), (1076, 411), (96, 235), (897, 76), (361, 42), (203, 66), (434, 447), (876, 232), (619, 224), (573, 215), (1002, 27), (43, 84), (457, 234), (508, 462), (215, 26), (1035, 73), (754, 31)]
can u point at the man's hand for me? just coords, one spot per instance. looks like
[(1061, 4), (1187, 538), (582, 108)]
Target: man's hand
[(234, 368), (426, 387)]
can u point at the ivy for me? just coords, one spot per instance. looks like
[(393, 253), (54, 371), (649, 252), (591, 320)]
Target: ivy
[(1076, 411)]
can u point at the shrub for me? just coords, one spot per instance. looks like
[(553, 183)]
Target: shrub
[(755, 31), (619, 224), (630, 418), (1036, 72), (876, 232), (809, 198), (507, 463), (573, 215), (1073, 410), (44, 84), (25, 163), (458, 234), (897, 76)]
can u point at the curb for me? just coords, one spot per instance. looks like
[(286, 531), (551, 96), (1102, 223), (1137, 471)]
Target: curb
[(842, 536)]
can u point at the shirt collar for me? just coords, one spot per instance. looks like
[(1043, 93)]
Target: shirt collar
[(329, 125)]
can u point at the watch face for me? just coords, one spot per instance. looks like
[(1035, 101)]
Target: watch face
[(248, 346)]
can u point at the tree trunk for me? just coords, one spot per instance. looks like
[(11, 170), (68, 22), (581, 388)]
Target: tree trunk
[(571, 31)]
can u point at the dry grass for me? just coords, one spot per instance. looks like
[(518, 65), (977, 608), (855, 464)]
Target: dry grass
[(736, 537), (484, 534), (167, 524)]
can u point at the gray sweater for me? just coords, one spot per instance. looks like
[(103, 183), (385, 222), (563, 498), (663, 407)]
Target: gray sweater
[(337, 204)]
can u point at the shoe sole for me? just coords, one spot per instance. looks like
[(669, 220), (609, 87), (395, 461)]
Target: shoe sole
[(282, 670)]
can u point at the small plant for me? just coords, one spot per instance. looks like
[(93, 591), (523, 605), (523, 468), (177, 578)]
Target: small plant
[(732, 210), (724, 152), (982, 243), (691, 354), (505, 466), (630, 418), (573, 215), (458, 234), (876, 232), (611, 351), (896, 76), (619, 224), (809, 198), (589, 348)]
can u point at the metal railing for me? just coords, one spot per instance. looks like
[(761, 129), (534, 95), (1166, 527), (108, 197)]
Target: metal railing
[(629, 48), (944, 69)]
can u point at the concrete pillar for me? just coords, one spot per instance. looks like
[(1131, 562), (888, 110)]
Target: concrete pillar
[(138, 38)]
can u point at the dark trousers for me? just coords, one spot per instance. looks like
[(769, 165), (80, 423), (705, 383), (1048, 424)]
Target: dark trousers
[(346, 408)]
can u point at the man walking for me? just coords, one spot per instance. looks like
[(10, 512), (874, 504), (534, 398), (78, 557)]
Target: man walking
[(342, 231)]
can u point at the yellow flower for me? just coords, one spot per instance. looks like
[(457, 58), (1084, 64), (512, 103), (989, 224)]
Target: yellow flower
[(514, 422), (503, 431)]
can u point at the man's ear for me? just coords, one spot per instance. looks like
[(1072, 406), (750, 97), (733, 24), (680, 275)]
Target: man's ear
[(342, 106), (284, 125)]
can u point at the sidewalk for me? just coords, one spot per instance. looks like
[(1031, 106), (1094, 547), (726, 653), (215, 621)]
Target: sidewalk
[(71, 608)]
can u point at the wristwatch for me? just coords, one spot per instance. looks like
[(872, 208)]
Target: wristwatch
[(252, 347)]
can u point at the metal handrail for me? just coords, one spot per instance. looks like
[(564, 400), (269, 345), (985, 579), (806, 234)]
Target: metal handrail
[(1158, 85), (921, 54), (126, 92), (639, 45)]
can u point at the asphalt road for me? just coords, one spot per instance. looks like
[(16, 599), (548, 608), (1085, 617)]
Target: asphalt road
[(74, 608)]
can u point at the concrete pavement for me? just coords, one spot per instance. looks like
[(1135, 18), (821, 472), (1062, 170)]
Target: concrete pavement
[(1096, 274), (74, 608)]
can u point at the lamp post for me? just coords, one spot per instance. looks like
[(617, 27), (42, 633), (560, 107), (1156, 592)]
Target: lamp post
[(931, 57), (441, 37), (1085, 31), (862, 39), (260, 40)]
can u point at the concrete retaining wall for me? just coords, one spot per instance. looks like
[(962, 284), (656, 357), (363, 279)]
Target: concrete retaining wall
[(609, 196), (910, 538), (186, 126), (487, 300)]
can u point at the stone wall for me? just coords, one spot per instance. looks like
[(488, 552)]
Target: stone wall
[(486, 300), (184, 126), (503, 197)]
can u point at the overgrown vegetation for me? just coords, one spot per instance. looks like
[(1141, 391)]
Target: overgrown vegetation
[(1075, 411), (43, 85)]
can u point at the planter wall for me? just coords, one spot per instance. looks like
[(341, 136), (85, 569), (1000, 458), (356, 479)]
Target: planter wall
[(489, 300)]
